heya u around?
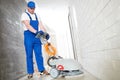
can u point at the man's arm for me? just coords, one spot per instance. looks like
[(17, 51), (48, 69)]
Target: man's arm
[(28, 26), (42, 26)]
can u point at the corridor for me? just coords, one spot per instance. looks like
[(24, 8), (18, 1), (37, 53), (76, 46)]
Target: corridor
[(85, 76), (87, 31)]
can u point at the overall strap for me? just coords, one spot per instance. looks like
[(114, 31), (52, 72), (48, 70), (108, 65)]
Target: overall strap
[(36, 17), (29, 15)]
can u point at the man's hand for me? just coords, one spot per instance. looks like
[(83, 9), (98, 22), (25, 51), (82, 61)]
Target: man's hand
[(47, 36), (40, 32)]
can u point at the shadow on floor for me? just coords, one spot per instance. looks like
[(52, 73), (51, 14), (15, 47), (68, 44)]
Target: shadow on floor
[(84, 76)]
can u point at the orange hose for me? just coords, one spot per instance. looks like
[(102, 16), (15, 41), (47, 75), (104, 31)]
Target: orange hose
[(50, 49)]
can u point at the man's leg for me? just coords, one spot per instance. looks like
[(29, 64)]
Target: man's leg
[(38, 55), (29, 56)]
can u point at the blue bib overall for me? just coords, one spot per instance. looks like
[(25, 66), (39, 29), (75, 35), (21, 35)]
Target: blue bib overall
[(33, 44)]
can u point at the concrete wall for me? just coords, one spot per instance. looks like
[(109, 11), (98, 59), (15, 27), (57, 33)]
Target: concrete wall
[(12, 56), (98, 26)]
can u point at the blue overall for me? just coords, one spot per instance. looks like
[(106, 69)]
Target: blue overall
[(33, 44)]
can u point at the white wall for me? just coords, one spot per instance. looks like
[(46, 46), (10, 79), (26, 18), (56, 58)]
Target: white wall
[(55, 16), (98, 23)]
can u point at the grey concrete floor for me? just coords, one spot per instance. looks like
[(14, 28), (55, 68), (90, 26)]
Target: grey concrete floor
[(84, 76)]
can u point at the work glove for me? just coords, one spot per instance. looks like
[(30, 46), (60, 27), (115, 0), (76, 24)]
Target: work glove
[(47, 36), (40, 32)]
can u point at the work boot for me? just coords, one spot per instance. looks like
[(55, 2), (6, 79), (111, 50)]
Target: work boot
[(44, 72), (30, 76)]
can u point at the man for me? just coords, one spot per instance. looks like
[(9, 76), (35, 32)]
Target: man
[(32, 25)]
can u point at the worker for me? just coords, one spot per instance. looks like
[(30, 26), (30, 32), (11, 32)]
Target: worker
[(32, 26)]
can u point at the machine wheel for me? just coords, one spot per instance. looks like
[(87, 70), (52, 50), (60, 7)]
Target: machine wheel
[(54, 73)]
